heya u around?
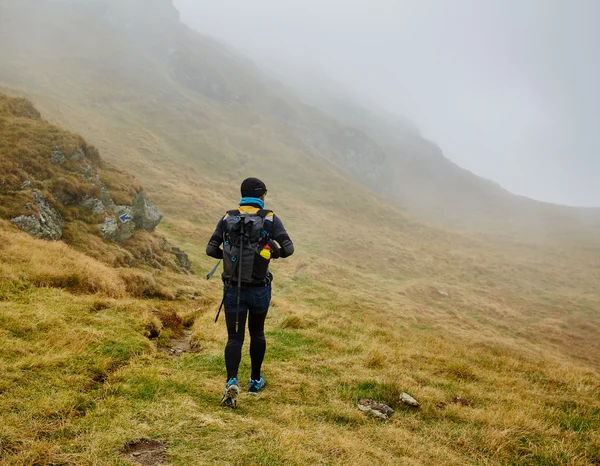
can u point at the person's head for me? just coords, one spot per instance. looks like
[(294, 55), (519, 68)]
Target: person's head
[(253, 187)]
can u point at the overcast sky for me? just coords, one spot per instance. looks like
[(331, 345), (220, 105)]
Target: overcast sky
[(507, 88)]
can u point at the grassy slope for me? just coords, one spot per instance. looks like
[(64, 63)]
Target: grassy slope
[(351, 318)]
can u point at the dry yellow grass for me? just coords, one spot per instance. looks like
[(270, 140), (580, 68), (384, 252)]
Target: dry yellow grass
[(335, 335)]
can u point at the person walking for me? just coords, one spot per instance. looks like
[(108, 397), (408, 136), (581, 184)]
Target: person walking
[(251, 236)]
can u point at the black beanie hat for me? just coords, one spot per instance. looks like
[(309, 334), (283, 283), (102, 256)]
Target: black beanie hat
[(253, 187)]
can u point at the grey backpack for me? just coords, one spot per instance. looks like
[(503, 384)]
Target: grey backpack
[(244, 236)]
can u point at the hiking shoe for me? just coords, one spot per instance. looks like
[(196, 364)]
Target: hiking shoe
[(256, 386), (232, 389)]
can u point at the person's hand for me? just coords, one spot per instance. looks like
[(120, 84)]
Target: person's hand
[(275, 251)]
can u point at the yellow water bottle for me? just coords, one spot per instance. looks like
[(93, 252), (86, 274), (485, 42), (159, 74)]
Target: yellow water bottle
[(266, 252)]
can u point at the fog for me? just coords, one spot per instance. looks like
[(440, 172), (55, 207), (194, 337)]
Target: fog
[(508, 89)]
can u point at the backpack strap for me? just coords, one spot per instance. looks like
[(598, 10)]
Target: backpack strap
[(233, 213), (268, 226), (262, 213)]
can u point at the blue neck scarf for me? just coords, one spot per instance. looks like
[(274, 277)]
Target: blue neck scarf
[(252, 200)]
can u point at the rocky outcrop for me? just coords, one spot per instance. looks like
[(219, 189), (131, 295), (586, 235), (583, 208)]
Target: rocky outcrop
[(47, 224), (181, 257), (146, 215), (58, 157), (63, 190), (117, 230), (93, 206), (109, 229), (346, 147)]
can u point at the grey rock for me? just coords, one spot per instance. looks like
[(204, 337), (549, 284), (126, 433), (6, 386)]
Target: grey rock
[(109, 229), (126, 231), (25, 184), (89, 174), (145, 214), (181, 257), (107, 200), (376, 409), (117, 231), (58, 157), (409, 400), (444, 294), (123, 210), (94, 206), (48, 224), (29, 224)]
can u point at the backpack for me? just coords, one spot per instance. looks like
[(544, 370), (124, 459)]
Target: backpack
[(244, 236)]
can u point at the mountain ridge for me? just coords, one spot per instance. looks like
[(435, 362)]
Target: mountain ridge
[(396, 163)]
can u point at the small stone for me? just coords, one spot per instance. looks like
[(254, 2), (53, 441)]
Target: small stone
[(461, 401), (445, 294), (137, 453), (376, 409), (25, 184), (409, 400)]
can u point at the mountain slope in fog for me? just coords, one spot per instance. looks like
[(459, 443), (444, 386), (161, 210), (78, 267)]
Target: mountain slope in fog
[(143, 56)]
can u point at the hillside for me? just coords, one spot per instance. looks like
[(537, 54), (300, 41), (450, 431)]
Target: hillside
[(55, 186), (212, 98), (97, 355), (435, 188)]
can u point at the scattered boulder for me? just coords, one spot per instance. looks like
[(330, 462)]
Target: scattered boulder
[(93, 205), (376, 409), (89, 173), (107, 200), (108, 230), (409, 400), (48, 224), (116, 230), (145, 214), (181, 257), (58, 157), (29, 224), (126, 231), (124, 210)]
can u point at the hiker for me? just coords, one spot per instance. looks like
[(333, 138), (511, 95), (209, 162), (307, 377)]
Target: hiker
[(251, 236)]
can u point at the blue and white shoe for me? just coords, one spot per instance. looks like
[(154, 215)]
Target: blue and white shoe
[(232, 388), (256, 386)]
